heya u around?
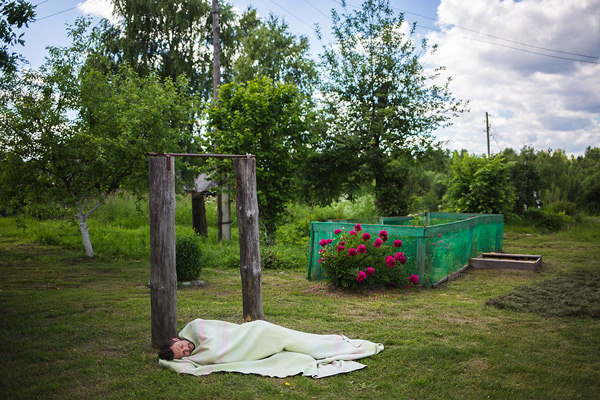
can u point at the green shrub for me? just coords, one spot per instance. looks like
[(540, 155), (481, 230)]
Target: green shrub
[(269, 259), (545, 221), (188, 255), (567, 207)]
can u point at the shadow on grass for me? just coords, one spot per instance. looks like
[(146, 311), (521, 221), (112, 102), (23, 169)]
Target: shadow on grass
[(574, 295)]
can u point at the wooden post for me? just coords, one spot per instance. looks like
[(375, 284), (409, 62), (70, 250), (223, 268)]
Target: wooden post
[(199, 214), (247, 214), (163, 276)]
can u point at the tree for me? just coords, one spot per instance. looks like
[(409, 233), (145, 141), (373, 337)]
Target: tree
[(480, 185), (525, 178), (174, 37), (80, 160), (17, 13), (269, 49), (269, 120), (382, 104)]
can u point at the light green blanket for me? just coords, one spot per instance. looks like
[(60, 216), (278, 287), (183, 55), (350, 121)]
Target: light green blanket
[(259, 347)]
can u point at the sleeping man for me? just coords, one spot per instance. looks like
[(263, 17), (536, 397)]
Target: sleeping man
[(259, 347)]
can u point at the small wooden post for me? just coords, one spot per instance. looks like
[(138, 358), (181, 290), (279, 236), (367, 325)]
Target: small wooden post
[(247, 216), (163, 276)]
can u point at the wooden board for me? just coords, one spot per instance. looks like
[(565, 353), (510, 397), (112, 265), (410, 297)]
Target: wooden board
[(506, 261)]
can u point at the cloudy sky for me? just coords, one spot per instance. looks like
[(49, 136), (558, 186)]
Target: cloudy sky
[(532, 65)]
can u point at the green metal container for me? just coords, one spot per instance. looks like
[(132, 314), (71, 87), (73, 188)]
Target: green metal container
[(439, 245)]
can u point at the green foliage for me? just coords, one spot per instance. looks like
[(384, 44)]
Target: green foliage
[(171, 38), (269, 49), (269, 259), (357, 258), (53, 157), (13, 14), (381, 104), (188, 254), (545, 221), (525, 177), (269, 120), (565, 207), (480, 185)]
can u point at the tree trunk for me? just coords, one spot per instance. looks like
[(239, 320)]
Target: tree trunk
[(199, 214), (163, 275), (247, 213), (85, 235)]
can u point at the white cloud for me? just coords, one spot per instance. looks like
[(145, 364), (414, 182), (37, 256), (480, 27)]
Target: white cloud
[(532, 100), (98, 8)]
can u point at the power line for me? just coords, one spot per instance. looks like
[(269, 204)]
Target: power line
[(56, 13), (510, 47), (492, 36)]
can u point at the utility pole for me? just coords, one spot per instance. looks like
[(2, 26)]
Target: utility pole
[(223, 210), (487, 129)]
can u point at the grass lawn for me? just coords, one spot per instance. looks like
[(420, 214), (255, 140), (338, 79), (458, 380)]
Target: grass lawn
[(79, 328)]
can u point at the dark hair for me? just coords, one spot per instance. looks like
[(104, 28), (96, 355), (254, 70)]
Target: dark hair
[(165, 352)]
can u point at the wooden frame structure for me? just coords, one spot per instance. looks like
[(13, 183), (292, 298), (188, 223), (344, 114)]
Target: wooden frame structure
[(163, 275)]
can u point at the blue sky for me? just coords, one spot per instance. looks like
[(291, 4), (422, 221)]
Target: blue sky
[(516, 60)]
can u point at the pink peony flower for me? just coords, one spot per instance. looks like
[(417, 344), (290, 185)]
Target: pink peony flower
[(370, 271), (397, 243), (398, 255), (361, 276), (337, 231), (390, 261), (340, 248), (352, 232), (362, 249), (323, 242), (328, 241), (321, 260), (413, 279), (378, 242), (322, 251), (383, 235), (357, 227), (342, 243), (366, 236), (352, 252)]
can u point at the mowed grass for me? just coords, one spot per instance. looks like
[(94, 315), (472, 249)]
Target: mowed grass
[(79, 328)]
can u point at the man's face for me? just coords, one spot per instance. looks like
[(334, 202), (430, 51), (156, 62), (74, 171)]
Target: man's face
[(182, 348)]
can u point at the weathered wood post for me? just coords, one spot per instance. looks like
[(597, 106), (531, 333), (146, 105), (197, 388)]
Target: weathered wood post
[(247, 216), (163, 276)]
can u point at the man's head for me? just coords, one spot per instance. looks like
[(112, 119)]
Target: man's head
[(177, 348)]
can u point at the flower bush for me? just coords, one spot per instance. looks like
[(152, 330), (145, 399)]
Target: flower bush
[(360, 258)]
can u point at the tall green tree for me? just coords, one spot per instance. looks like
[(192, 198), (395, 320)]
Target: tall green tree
[(269, 120), (268, 48), (480, 185), (381, 103), (525, 177), (174, 37), (13, 14), (74, 134)]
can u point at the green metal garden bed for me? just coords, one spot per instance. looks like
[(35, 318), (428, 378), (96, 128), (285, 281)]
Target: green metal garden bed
[(438, 249)]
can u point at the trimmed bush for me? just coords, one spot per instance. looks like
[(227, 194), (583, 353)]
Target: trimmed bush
[(188, 255)]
